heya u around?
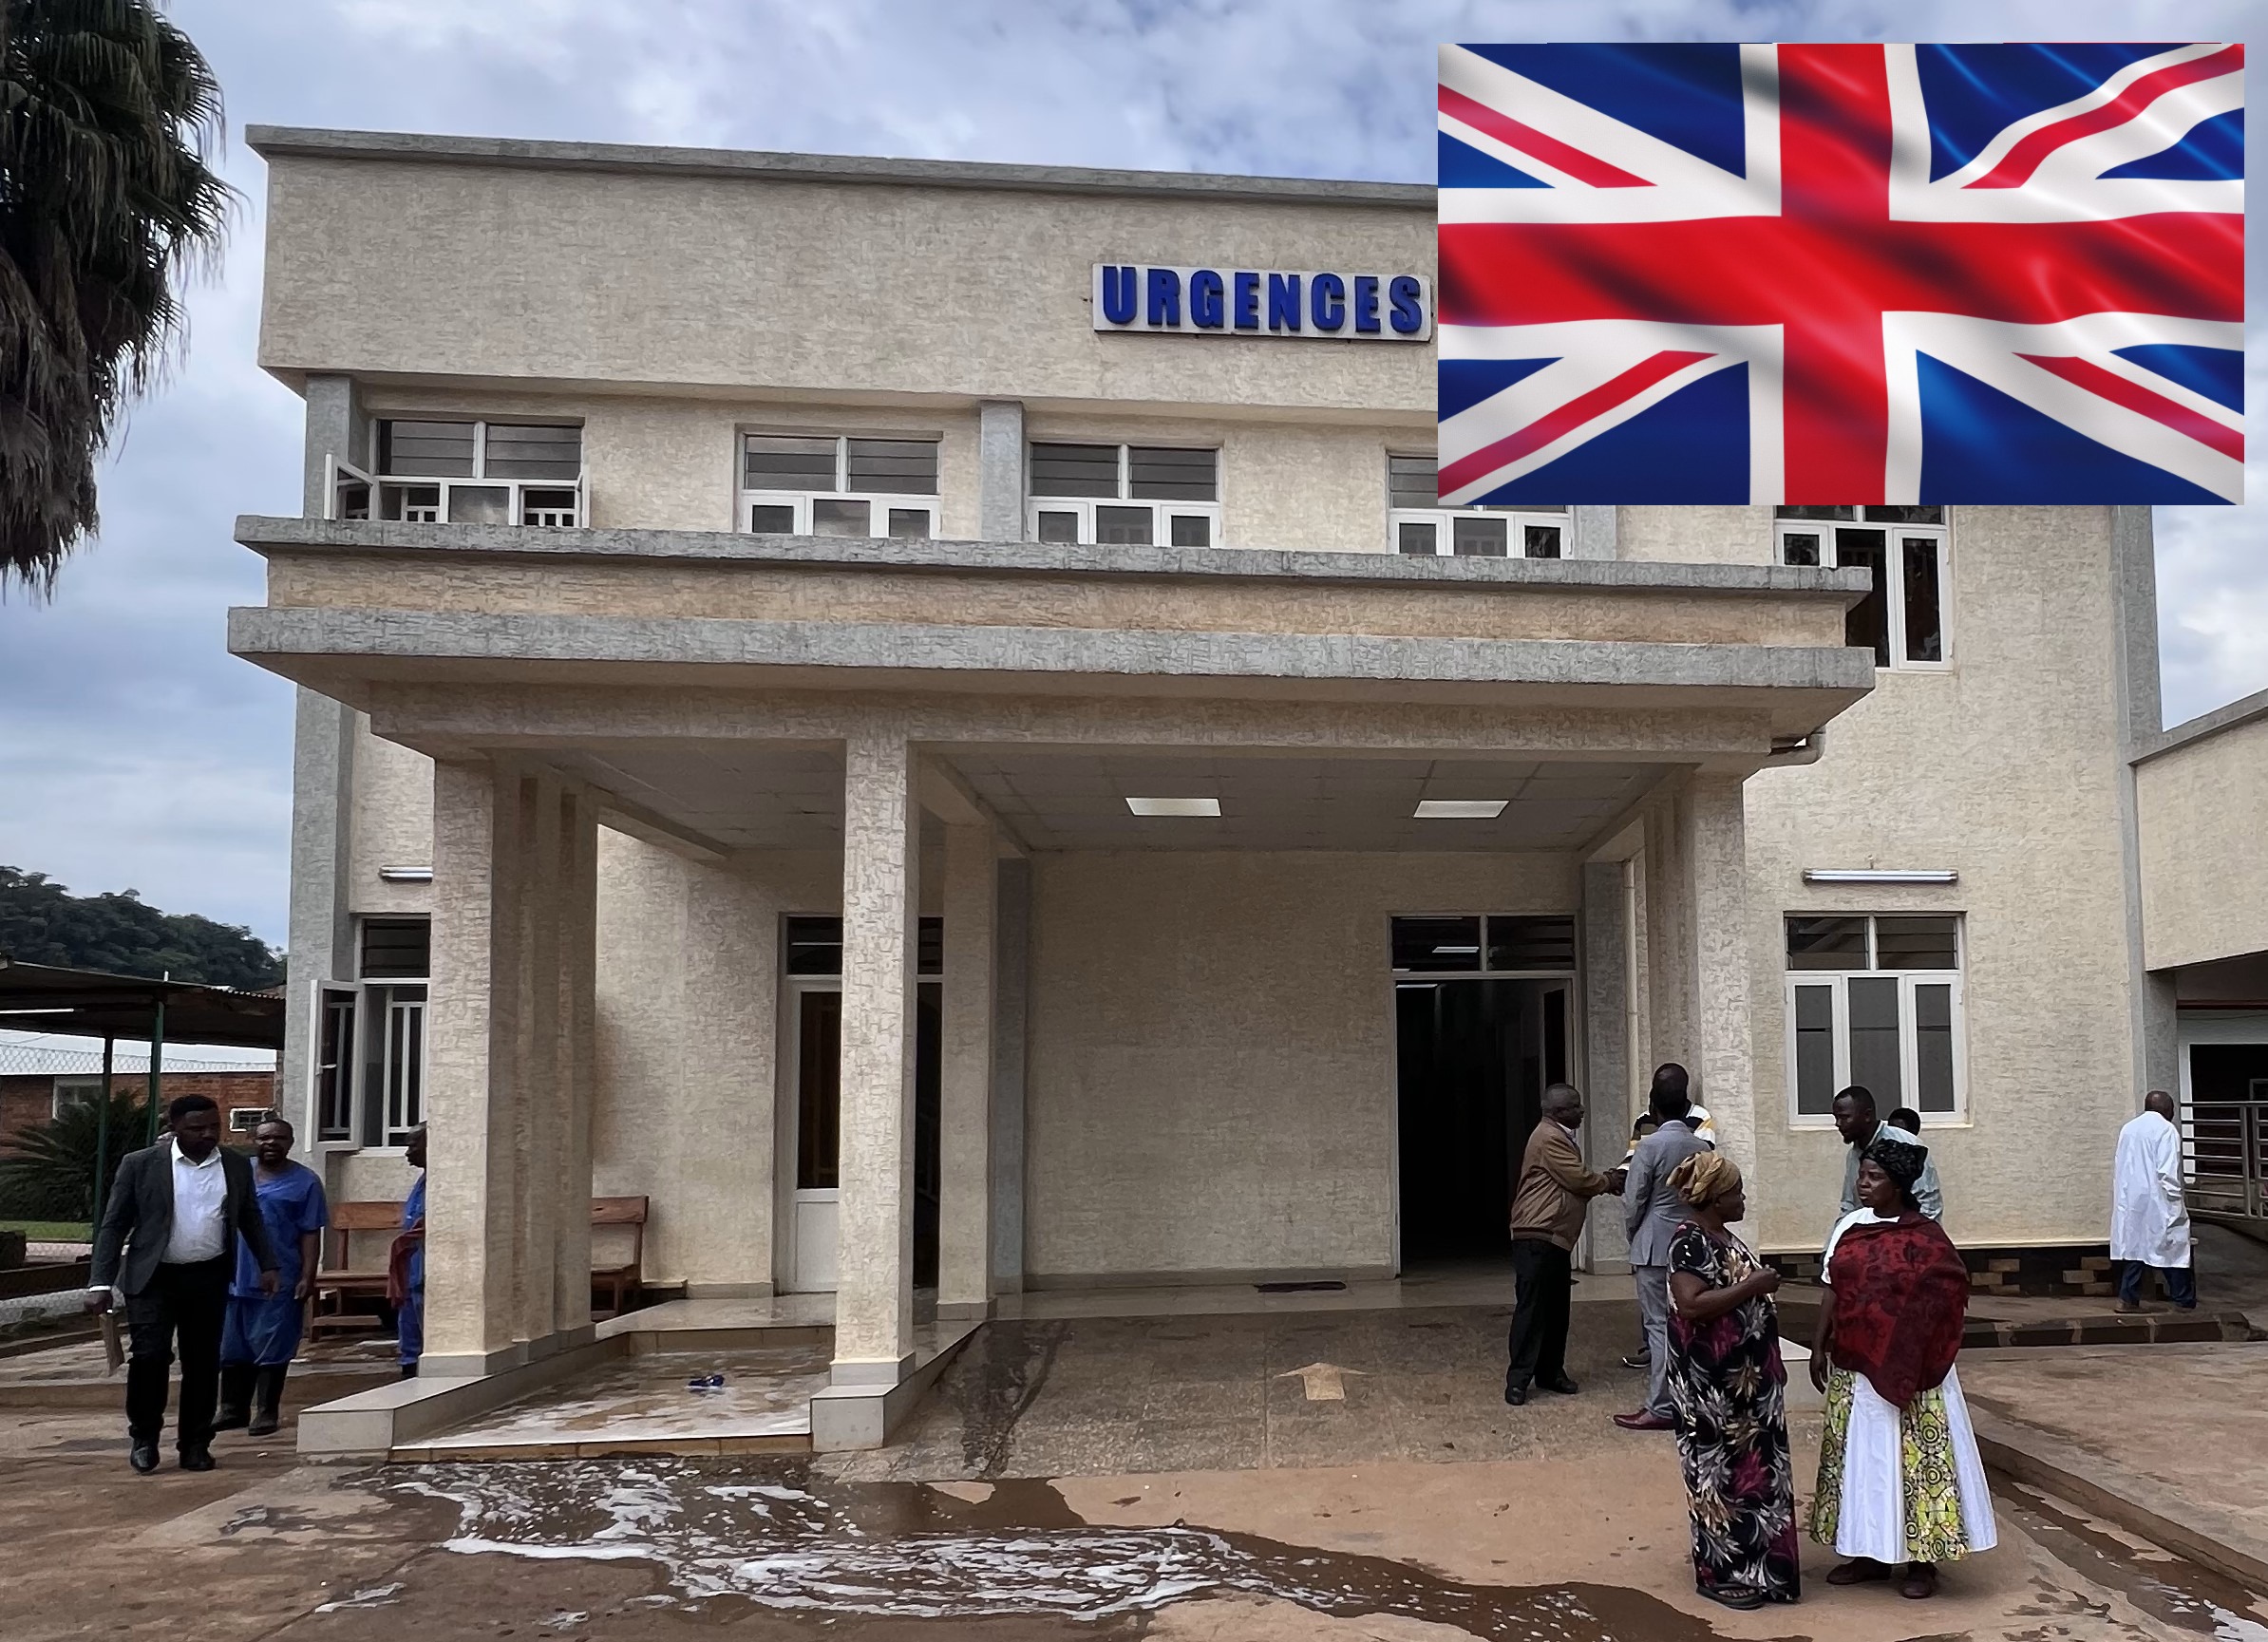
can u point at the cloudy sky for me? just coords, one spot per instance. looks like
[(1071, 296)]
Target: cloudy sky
[(135, 752)]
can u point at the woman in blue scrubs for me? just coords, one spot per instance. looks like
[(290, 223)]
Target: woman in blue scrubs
[(262, 1334)]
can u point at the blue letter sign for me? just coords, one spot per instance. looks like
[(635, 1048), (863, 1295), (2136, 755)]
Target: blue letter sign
[(1328, 305)]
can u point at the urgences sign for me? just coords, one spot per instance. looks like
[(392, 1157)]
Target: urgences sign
[(1319, 305)]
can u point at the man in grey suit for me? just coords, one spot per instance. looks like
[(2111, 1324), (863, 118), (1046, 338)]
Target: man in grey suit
[(168, 1243), (1653, 1214)]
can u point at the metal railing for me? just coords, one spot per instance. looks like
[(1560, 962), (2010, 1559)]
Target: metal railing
[(2224, 1155)]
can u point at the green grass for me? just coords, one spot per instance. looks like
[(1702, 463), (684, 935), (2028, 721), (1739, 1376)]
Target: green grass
[(50, 1231)]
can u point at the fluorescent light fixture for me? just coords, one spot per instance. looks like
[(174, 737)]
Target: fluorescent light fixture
[(66, 1010), (1181, 806), (407, 875), (1880, 875), (1456, 952), (1459, 808)]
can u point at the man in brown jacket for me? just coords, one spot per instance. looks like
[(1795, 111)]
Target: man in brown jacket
[(1554, 1193)]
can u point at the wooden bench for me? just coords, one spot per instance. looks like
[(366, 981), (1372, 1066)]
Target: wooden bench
[(340, 1283)]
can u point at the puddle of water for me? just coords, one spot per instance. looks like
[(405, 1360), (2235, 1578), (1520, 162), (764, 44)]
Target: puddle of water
[(909, 1551), (2167, 1588), (375, 1596)]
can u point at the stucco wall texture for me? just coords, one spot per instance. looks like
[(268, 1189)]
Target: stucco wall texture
[(1212, 1072), (2204, 896), (2006, 769)]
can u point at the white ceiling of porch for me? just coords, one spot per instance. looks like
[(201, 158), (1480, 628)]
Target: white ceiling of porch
[(755, 797)]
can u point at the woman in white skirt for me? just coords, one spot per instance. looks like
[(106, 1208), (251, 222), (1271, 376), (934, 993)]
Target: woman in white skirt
[(1900, 1480)]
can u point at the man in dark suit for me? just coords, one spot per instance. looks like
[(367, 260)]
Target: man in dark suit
[(168, 1244)]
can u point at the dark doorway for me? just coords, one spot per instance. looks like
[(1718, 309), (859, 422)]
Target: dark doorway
[(1473, 1057), (929, 1066)]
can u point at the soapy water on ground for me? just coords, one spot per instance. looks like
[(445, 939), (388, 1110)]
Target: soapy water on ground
[(908, 1551)]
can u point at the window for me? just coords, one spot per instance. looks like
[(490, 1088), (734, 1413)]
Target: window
[(1903, 618), (1875, 1001), (827, 484), (369, 1071), (1420, 525), (1142, 495), (1473, 945), (814, 947), (244, 1119), (70, 1092), (467, 473)]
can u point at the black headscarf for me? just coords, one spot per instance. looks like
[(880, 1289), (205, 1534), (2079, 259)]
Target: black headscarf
[(1898, 1155)]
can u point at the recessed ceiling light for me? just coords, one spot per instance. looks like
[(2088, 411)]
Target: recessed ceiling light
[(1459, 808), (1182, 806)]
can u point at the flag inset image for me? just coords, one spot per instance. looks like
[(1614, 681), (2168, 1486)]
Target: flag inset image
[(1841, 274)]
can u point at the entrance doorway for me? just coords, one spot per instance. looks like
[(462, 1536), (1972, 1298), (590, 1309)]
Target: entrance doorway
[(813, 1141), (1474, 1052)]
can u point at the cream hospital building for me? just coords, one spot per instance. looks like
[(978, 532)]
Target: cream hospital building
[(926, 718)]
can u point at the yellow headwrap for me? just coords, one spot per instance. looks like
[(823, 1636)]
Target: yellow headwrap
[(1703, 1178)]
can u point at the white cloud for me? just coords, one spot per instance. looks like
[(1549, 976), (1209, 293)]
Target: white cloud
[(137, 751)]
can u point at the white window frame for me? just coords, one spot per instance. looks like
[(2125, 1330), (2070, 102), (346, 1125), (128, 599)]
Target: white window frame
[(71, 1089), (878, 502), (1444, 519), (338, 504), (1909, 1061), (1161, 513), (1892, 574), (370, 1071)]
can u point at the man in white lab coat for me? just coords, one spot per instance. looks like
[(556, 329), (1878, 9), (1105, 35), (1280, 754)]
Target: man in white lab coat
[(2149, 1222)]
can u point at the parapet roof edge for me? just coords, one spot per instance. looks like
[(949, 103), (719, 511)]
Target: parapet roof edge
[(2205, 727), (274, 141)]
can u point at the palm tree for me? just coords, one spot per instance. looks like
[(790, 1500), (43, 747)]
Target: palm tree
[(107, 115), (50, 1175)]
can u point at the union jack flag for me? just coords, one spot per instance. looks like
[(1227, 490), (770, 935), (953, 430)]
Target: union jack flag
[(1841, 274)]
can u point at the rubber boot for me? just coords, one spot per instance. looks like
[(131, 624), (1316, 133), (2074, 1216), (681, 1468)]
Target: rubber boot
[(235, 1397), (267, 1399)]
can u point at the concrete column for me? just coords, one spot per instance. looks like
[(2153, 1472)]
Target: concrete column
[(541, 1182), (1606, 1043), (728, 1047), (1011, 939), (1713, 815), (1000, 470), (965, 1125), (2154, 1024), (321, 930), (578, 1058), (874, 1294), (1592, 532), (472, 1252)]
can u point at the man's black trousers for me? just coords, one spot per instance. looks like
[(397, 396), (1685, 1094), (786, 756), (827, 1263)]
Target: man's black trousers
[(190, 1303), (1546, 1277)]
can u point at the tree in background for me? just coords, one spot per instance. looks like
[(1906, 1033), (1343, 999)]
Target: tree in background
[(50, 1176), (107, 115), (41, 922)]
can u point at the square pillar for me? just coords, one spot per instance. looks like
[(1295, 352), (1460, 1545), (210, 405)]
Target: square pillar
[(1012, 937), (540, 1184), (473, 1250), (1712, 819), (576, 1063), (965, 1102), (1000, 470), (1604, 930), (874, 1294)]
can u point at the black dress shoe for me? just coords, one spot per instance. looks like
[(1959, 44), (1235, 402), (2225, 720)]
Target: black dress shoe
[(1732, 1597), (1516, 1395), (1565, 1387), (144, 1458), (191, 1460), (1639, 1363)]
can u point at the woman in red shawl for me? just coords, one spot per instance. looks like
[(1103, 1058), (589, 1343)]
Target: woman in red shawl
[(1900, 1480)]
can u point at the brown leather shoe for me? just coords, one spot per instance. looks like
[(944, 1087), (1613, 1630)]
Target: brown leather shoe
[(1645, 1420)]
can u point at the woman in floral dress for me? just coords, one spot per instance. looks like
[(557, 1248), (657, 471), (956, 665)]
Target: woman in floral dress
[(1729, 1391)]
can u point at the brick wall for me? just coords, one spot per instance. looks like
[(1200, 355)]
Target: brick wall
[(27, 1102)]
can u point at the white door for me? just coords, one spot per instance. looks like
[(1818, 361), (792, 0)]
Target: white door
[(815, 1145)]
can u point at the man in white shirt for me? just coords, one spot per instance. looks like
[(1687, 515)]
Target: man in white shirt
[(2149, 1217), (168, 1244)]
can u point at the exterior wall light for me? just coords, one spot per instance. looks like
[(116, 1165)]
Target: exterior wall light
[(407, 875), (1459, 809), (1174, 807), (1880, 875)]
